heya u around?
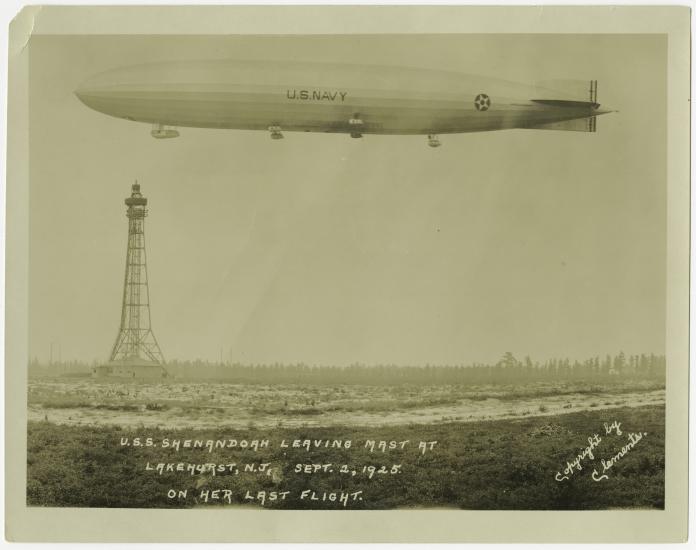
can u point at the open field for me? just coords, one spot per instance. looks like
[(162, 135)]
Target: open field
[(208, 405), (496, 464)]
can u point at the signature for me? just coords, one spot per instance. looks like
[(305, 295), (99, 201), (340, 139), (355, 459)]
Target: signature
[(575, 465), (634, 438), (588, 452)]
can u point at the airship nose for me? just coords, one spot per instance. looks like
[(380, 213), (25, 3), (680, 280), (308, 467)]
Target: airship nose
[(93, 88), (108, 91), (81, 94), (105, 92), (90, 96), (129, 80)]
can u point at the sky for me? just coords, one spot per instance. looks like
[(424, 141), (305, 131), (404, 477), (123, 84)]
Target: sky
[(328, 250)]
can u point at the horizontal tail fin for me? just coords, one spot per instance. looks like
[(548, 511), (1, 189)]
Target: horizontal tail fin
[(565, 103), (576, 125)]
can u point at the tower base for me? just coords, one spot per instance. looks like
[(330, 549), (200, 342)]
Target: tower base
[(127, 369)]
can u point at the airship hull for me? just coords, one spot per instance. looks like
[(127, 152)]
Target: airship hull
[(324, 98)]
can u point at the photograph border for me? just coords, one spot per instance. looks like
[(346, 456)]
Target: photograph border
[(227, 525)]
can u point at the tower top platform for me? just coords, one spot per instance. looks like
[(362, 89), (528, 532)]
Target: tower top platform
[(136, 198)]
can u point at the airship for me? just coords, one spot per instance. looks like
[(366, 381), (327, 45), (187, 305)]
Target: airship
[(357, 100)]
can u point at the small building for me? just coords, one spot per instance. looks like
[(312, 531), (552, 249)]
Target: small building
[(136, 368)]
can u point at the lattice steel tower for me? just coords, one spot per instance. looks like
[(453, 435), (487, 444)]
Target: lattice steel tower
[(136, 342)]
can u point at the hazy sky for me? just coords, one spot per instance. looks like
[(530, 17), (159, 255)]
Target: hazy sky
[(324, 249)]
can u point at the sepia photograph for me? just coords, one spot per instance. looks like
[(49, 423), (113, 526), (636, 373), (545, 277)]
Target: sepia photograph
[(380, 271)]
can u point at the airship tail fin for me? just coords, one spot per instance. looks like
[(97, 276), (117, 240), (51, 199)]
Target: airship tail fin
[(568, 90), (588, 124)]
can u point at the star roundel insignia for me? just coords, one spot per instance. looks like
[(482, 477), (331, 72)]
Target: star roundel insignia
[(482, 102)]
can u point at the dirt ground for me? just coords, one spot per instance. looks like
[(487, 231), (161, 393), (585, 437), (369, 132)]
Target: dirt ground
[(180, 404)]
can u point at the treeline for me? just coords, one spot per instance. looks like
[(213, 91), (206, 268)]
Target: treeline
[(508, 370)]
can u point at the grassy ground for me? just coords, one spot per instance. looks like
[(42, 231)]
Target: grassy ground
[(505, 464)]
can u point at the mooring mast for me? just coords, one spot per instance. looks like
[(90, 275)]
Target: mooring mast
[(136, 342)]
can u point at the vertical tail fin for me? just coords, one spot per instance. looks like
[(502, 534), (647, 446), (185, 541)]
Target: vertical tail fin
[(568, 90), (593, 91), (592, 124)]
